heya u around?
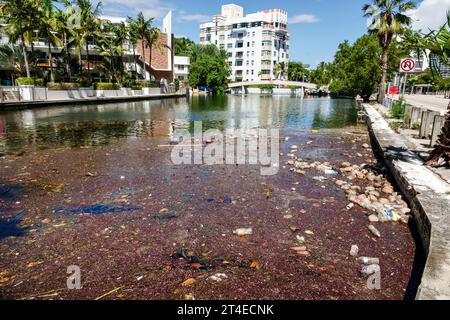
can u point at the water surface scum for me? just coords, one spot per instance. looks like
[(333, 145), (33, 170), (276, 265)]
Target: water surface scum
[(139, 223)]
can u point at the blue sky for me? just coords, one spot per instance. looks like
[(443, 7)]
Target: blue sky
[(316, 26)]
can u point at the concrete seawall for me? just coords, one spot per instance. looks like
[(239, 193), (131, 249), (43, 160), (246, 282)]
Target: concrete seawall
[(19, 105), (429, 198)]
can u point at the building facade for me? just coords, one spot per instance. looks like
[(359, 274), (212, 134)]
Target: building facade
[(181, 68), (152, 65), (257, 43)]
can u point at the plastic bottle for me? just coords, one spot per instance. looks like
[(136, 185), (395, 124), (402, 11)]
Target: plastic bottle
[(243, 231), (370, 269), (374, 231), (354, 251), (368, 260)]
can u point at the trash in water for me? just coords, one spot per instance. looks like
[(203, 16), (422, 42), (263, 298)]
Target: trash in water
[(370, 269), (321, 178), (368, 260), (374, 231), (350, 206), (218, 277), (331, 172), (354, 251), (301, 251), (243, 231), (188, 282), (300, 239)]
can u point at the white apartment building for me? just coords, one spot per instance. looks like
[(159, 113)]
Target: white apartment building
[(181, 68), (256, 43)]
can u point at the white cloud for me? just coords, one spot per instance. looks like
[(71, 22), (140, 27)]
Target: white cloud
[(122, 8), (303, 18), (430, 14), (183, 16)]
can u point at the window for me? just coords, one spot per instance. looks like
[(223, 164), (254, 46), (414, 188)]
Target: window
[(230, 45), (238, 63), (222, 37), (248, 44), (253, 43), (248, 62), (180, 67), (253, 62), (222, 46), (253, 72)]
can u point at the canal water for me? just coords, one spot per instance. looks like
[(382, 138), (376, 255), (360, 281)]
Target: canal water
[(94, 186), (89, 125)]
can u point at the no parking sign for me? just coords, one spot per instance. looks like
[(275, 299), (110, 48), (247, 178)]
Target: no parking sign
[(407, 65)]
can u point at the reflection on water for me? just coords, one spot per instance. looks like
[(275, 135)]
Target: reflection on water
[(91, 125)]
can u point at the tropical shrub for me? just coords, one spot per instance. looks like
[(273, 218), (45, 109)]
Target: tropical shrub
[(106, 86), (63, 86), (24, 81)]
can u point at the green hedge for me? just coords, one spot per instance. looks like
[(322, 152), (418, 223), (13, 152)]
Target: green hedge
[(24, 81), (63, 86), (106, 86)]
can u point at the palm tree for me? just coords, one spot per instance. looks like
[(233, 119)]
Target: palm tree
[(133, 39), (15, 14), (64, 22), (280, 70), (89, 24), (152, 41), (11, 58), (388, 20), (48, 24), (183, 47), (140, 29)]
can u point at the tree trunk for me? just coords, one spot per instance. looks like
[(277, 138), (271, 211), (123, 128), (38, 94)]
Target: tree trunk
[(50, 60), (440, 157), (25, 58), (68, 72), (150, 63), (80, 65), (384, 68), (135, 62), (87, 61), (143, 55)]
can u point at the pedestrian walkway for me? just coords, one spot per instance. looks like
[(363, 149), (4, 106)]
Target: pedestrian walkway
[(434, 103)]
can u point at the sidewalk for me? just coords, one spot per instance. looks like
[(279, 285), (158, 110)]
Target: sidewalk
[(435, 103), (429, 197)]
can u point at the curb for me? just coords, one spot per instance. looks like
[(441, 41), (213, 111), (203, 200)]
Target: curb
[(429, 198)]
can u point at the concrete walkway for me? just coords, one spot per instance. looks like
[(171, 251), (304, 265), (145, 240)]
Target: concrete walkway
[(429, 198), (17, 105), (435, 103)]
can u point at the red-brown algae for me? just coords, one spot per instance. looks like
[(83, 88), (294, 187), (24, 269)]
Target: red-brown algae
[(196, 209)]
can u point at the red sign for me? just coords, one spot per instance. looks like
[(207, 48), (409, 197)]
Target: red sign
[(407, 65), (393, 90)]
